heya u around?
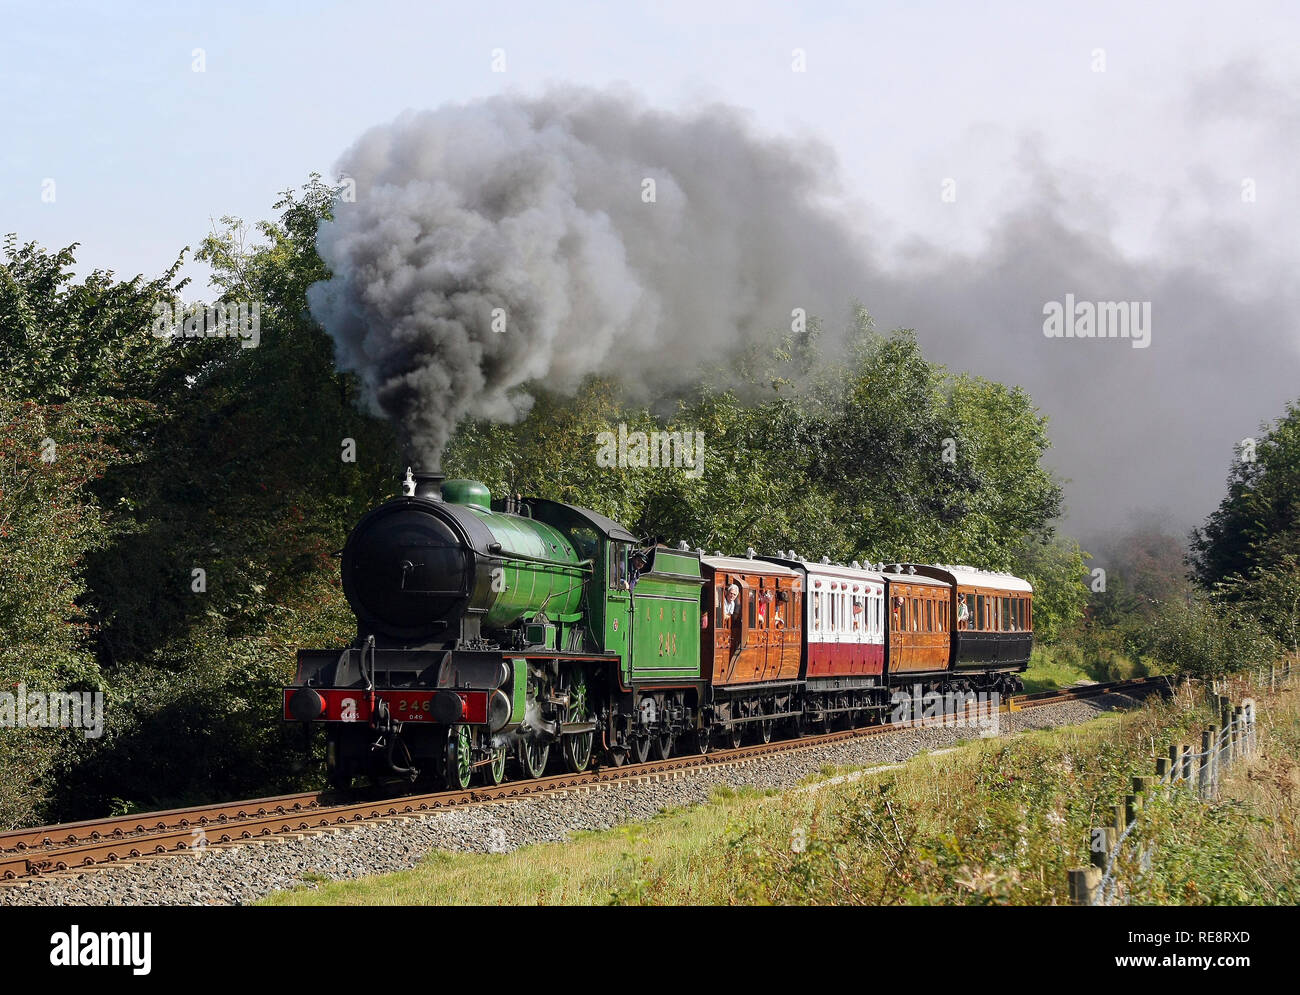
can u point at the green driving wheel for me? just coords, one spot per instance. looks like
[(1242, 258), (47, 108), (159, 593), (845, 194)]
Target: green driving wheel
[(577, 747), (495, 772), (459, 757), (533, 757)]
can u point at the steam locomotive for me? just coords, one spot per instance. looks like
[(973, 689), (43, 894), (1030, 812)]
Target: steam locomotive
[(495, 638)]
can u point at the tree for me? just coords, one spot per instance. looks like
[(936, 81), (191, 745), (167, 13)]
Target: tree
[(1057, 572), (1257, 525)]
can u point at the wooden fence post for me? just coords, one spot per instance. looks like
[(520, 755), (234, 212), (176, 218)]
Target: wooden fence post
[(1206, 760), (1132, 805), (1084, 882)]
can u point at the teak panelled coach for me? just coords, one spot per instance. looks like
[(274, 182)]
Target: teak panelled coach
[(495, 638)]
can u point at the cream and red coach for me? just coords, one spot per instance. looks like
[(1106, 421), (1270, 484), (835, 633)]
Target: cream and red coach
[(844, 652)]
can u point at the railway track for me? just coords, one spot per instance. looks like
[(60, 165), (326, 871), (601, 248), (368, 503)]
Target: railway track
[(27, 853)]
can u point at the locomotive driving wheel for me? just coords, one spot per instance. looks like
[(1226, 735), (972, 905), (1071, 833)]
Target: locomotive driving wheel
[(663, 745), (459, 758), (495, 772), (577, 747), (736, 735), (533, 756)]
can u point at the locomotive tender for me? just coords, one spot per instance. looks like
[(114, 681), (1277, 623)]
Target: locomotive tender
[(500, 632)]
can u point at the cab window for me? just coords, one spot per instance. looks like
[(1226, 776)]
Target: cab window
[(617, 565)]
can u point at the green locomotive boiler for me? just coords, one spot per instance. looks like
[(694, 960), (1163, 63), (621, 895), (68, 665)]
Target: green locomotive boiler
[(498, 632)]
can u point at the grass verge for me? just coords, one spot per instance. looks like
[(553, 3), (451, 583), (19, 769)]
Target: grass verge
[(992, 822)]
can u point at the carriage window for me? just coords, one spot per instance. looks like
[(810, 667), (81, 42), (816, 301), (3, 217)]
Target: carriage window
[(979, 612), (752, 615), (929, 615)]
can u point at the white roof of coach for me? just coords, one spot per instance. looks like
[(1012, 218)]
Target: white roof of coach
[(906, 578), (743, 564), (842, 572), (973, 577)]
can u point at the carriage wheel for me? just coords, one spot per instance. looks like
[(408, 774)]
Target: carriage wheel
[(663, 746), (641, 748)]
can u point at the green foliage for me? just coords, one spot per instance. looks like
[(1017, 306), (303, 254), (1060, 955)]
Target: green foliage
[(1056, 570), (61, 340), (1272, 595), (1206, 638), (210, 456), (48, 520), (1257, 525), (982, 831), (851, 465)]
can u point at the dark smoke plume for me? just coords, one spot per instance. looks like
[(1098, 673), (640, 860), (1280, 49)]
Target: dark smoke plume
[(535, 206), (516, 240)]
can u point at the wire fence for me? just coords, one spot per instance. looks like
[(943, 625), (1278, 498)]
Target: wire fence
[(1198, 768)]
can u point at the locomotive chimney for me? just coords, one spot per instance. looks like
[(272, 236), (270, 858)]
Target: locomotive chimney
[(423, 483)]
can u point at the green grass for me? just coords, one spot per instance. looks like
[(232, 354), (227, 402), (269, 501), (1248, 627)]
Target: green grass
[(991, 822), (592, 868), (1050, 668), (683, 856)]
